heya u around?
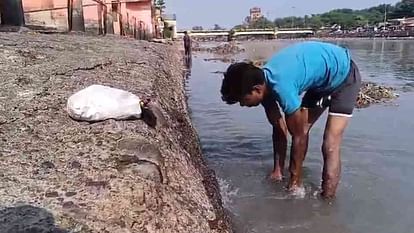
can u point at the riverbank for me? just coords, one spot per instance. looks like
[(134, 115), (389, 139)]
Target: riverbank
[(113, 176)]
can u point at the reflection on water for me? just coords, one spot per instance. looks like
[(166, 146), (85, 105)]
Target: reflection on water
[(188, 64), (376, 191)]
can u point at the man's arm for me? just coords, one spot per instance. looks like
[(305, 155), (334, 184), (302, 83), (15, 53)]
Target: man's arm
[(279, 137), (296, 125)]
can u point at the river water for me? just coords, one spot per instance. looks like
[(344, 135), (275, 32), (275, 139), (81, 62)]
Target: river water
[(376, 193)]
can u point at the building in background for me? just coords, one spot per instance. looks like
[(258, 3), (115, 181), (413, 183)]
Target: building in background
[(255, 14), (124, 17), (170, 26), (402, 24)]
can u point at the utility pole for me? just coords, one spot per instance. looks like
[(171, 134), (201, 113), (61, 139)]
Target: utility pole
[(293, 17), (385, 16)]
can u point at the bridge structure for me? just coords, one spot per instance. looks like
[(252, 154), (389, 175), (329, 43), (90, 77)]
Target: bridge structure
[(234, 34)]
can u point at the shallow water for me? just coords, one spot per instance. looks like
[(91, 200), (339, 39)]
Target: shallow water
[(376, 193)]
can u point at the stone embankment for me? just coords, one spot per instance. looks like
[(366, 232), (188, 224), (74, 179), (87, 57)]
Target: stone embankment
[(60, 175)]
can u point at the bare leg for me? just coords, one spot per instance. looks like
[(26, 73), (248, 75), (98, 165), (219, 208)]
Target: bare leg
[(332, 139), (279, 137)]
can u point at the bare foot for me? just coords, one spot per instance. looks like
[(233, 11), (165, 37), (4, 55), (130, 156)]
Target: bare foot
[(328, 196), (294, 184), (276, 176), (297, 191)]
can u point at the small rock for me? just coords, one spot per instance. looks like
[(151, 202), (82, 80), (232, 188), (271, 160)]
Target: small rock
[(52, 194), (75, 165), (93, 183), (70, 194), (121, 223), (47, 165), (69, 205)]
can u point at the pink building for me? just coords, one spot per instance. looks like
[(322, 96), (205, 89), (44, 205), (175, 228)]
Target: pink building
[(46, 13), (119, 16)]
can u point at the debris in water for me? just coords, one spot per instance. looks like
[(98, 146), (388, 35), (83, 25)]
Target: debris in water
[(222, 59), (372, 93), (223, 49)]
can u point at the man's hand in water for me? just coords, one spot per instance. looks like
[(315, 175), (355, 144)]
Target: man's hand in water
[(279, 137)]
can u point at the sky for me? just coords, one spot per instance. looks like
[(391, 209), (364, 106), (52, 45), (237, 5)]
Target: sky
[(228, 13)]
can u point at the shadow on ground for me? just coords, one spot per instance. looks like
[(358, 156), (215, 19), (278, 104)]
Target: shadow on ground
[(27, 219)]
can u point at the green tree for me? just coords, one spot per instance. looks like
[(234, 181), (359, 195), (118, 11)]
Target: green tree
[(159, 4), (315, 22), (346, 18), (197, 28), (239, 27), (405, 8), (167, 30), (217, 27)]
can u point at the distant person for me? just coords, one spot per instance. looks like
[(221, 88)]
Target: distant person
[(187, 44), (328, 77)]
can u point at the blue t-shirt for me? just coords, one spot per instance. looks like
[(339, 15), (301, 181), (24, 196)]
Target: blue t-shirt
[(316, 66)]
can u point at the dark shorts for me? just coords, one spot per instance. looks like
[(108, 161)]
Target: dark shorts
[(341, 101)]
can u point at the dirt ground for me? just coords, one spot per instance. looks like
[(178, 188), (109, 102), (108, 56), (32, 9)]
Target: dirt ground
[(59, 175)]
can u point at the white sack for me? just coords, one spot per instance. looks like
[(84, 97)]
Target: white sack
[(98, 103)]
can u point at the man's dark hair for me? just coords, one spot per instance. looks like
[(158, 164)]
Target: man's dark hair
[(239, 80)]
